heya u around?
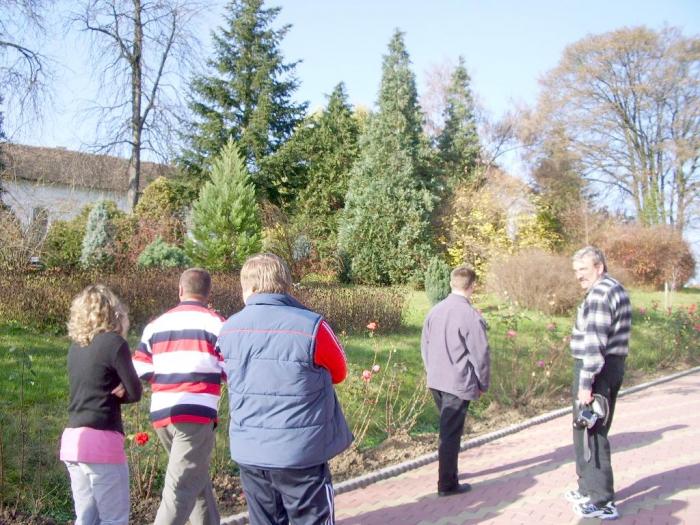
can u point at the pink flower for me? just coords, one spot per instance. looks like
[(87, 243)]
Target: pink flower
[(366, 376), (375, 368), (141, 438), (697, 327), (642, 310), (540, 363), (510, 334), (372, 326), (551, 327), (692, 308)]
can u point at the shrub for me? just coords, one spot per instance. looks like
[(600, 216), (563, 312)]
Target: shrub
[(652, 255), (160, 254), (291, 244), (42, 300), (437, 280), (159, 213), (477, 232), (536, 280), (97, 249), (348, 309), (63, 244), (15, 248), (160, 198)]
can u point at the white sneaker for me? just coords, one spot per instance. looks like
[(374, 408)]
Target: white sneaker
[(590, 510), (574, 496)]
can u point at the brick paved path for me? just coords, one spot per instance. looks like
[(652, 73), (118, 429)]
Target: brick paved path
[(519, 479)]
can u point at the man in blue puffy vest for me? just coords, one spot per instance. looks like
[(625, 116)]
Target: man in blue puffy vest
[(281, 361)]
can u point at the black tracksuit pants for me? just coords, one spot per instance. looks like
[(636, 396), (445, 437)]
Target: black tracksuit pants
[(282, 496)]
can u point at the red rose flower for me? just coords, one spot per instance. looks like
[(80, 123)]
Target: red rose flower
[(141, 438)]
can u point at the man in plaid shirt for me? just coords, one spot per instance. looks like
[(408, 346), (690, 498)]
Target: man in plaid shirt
[(599, 346)]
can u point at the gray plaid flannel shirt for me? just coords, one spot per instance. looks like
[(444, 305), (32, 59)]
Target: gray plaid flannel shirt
[(602, 328)]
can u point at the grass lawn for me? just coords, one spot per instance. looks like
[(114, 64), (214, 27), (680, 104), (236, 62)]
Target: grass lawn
[(530, 366)]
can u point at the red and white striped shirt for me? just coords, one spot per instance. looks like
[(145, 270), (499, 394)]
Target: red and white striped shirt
[(178, 356)]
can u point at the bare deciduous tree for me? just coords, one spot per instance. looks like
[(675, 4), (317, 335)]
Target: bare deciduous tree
[(24, 72), (625, 105), (144, 50)]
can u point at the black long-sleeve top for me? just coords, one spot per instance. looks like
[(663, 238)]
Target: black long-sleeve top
[(93, 372)]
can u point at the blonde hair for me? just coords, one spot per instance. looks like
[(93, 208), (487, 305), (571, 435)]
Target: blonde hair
[(462, 277), (266, 273), (95, 310)]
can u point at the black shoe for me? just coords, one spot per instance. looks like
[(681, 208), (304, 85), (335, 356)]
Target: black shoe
[(459, 489)]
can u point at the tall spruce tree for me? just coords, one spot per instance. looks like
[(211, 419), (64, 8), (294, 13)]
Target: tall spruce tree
[(247, 96), (318, 158), (385, 231), (226, 227), (458, 143)]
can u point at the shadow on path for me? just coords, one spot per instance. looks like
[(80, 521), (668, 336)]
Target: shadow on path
[(490, 497)]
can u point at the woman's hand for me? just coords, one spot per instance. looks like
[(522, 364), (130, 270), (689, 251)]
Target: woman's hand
[(119, 390)]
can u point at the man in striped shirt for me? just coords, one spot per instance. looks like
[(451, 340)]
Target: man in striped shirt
[(599, 346), (178, 356)]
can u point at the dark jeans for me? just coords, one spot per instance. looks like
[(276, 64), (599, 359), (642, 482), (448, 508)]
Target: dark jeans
[(595, 477), (453, 411), (282, 496)]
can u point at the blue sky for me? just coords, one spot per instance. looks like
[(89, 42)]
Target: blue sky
[(507, 45)]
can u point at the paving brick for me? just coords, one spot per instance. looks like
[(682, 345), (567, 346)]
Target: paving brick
[(520, 478)]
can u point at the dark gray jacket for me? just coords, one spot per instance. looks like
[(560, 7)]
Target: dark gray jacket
[(455, 348)]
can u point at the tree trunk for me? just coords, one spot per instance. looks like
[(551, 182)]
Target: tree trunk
[(136, 86)]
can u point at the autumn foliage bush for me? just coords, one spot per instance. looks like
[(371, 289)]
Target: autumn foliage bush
[(535, 280), (651, 255), (43, 299)]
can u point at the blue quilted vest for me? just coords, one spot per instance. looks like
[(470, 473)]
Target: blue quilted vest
[(284, 411)]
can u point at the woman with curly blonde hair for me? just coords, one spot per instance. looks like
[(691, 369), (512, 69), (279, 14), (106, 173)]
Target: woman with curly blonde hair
[(101, 377)]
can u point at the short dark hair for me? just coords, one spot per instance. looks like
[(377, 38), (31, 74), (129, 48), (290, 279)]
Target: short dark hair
[(462, 277), (196, 281)]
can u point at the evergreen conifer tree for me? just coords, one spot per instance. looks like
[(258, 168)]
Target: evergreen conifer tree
[(97, 249), (458, 143), (437, 280), (226, 227), (318, 158), (385, 230), (247, 96)]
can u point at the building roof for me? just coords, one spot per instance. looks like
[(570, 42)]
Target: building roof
[(73, 168)]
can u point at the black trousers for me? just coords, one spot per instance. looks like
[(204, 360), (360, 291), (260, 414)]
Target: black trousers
[(595, 477), (283, 496), (453, 412)]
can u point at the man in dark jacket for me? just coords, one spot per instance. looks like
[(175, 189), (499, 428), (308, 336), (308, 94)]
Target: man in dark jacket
[(281, 361), (457, 361)]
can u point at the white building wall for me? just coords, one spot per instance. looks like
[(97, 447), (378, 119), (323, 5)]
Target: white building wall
[(62, 202)]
